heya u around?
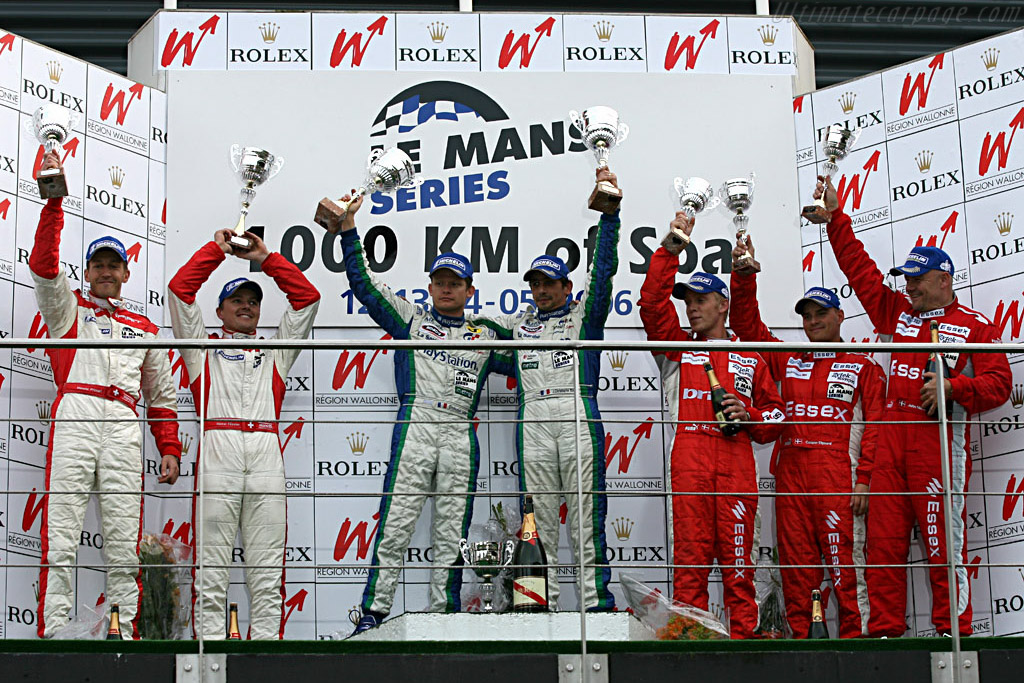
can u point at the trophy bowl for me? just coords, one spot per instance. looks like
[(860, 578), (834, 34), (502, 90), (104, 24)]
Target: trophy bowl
[(487, 559), (253, 166), (51, 126), (386, 171), (695, 195), (737, 194), (601, 130), (836, 145)]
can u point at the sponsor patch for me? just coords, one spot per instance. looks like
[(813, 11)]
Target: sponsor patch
[(743, 385), (230, 356), (819, 355), (848, 367), (937, 313), (529, 360), (840, 391), (955, 330), (129, 333), (465, 384), (561, 359), (432, 331), (849, 378)]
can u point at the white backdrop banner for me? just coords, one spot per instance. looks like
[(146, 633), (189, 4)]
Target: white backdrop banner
[(506, 176)]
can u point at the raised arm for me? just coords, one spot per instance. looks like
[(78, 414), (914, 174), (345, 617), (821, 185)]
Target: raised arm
[(186, 318), (303, 302), (57, 303), (657, 311)]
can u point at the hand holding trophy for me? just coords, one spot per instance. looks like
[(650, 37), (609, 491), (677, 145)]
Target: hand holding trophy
[(601, 130), (386, 171), (737, 194), (839, 141), (253, 166), (695, 196), (51, 125)]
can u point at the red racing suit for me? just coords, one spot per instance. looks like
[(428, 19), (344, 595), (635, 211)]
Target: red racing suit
[(244, 390), (907, 455), (89, 449), (704, 460), (845, 390)]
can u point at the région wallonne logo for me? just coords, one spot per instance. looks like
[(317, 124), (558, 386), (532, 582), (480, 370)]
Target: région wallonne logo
[(688, 46)]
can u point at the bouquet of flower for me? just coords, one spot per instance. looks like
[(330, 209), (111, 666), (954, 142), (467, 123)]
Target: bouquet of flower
[(165, 571), (771, 606), (668, 619)]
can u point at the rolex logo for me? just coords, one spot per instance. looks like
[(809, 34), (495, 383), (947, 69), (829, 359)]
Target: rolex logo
[(116, 176), (991, 58), (618, 360), (768, 34), (1017, 395), (186, 442), (357, 442), (1004, 221), (847, 100), (604, 29), (43, 411), (623, 527), (437, 30), (55, 71), (924, 160), (268, 30)]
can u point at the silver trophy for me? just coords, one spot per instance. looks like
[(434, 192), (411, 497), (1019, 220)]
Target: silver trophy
[(386, 171), (696, 195), (601, 130), (51, 125), (486, 558), (737, 194), (839, 141), (253, 166)]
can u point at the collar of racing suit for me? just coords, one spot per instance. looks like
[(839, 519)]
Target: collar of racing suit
[(447, 320), (557, 313), (701, 337), (104, 303), (236, 335)]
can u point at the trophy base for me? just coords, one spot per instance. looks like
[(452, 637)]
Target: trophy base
[(816, 213), (605, 198), (747, 266), (240, 242), (329, 215), (52, 184)]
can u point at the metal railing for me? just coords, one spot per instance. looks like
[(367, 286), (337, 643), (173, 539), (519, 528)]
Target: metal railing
[(952, 563)]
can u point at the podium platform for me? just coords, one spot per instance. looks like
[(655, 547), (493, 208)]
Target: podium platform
[(507, 626)]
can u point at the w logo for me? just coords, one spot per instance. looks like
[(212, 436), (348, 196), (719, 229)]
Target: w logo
[(521, 46), (358, 364), (918, 88)]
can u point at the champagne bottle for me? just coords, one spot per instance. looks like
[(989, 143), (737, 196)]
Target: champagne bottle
[(729, 428), (114, 632), (530, 577), (938, 357), (818, 629), (233, 633)]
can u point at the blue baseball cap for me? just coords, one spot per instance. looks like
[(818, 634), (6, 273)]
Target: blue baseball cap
[(552, 266), (457, 263), (238, 283), (702, 283), (922, 259), (825, 298), (106, 242)]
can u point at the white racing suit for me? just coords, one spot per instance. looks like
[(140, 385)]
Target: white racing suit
[(244, 389), (433, 446), (88, 449), (556, 387)]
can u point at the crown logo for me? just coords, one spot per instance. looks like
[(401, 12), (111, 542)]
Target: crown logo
[(357, 442), (924, 160), (847, 100), (186, 442), (43, 411), (604, 29), (768, 34), (991, 58), (1017, 395), (269, 31), (1004, 221), (437, 30), (623, 527), (618, 359), (116, 176), (55, 71)]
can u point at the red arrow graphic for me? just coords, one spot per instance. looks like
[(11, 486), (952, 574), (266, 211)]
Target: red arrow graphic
[(7, 43), (355, 43), (294, 429), (642, 431), (171, 48), (1001, 146), (919, 87), (676, 49), (4, 206), (511, 46), (809, 261), (857, 184), (110, 101), (296, 602)]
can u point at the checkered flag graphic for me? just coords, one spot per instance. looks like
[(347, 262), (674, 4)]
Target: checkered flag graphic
[(409, 113)]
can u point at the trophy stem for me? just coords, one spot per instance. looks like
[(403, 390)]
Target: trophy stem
[(239, 228), (688, 210), (829, 168), (51, 143)]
